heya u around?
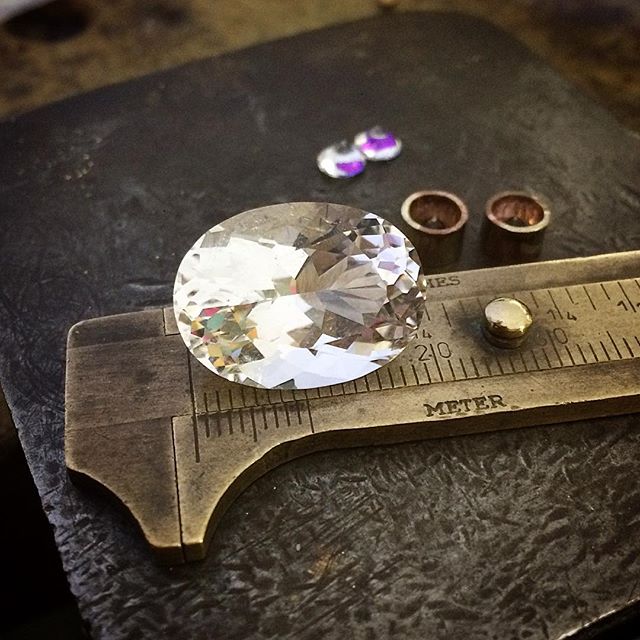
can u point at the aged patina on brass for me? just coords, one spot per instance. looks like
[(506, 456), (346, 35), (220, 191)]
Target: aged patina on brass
[(176, 444)]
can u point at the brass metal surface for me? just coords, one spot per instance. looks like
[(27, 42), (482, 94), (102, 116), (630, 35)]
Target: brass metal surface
[(507, 322), (176, 444)]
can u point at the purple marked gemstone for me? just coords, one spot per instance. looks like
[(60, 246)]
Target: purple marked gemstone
[(378, 144), (342, 160), (350, 168)]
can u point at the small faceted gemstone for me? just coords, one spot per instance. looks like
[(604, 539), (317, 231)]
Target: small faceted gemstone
[(298, 295), (378, 144), (342, 160)]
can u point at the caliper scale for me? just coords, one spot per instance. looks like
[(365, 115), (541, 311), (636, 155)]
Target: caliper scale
[(176, 443)]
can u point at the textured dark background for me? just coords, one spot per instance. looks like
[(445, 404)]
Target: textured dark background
[(72, 46), (525, 534)]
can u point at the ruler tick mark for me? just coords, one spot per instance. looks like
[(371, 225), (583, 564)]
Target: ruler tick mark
[(240, 412), (581, 353), (446, 315), (524, 363), (404, 380), (615, 346), (286, 413), (533, 353), (275, 416), (513, 366), (207, 428), (427, 371), (624, 293), (350, 387), (475, 368), (194, 416), (626, 344), (464, 371), (606, 353), (533, 298), (453, 374), (426, 311), (555, 349), (500, 366), (264, 417), (415, 373), (555, 304), (253, 425), (604, 290), (573, 362), (593, 351), (586, 291), (310, 418), (546, 357), (435, 359), (569, 295)]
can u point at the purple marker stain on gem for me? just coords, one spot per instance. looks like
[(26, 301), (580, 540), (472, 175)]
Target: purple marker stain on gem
[(378, 144), (350, 168), (342, 160)]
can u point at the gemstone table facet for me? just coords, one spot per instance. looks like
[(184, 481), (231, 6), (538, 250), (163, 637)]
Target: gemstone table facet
[(298, 295)]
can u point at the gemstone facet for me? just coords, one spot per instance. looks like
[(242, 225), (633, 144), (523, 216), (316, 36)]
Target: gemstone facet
[(298, 295), (342, 160), (378, 144)]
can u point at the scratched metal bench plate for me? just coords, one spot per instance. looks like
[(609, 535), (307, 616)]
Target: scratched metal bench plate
[(519, 532)]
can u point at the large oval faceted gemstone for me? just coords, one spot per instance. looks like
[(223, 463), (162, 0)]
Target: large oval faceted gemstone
[(298, 295)]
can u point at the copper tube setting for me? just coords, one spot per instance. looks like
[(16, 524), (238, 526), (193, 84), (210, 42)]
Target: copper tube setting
[(515, 226), (518, 212), (435, 223), (435, 213)]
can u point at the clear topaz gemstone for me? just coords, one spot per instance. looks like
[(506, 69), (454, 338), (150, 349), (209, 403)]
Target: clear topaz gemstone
[(342, 160), (378, 144), (298, 295)]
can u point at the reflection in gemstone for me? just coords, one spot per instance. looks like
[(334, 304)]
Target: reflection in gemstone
[(298, 295)]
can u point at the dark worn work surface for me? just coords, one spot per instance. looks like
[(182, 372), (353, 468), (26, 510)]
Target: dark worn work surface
[(520, 534)]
